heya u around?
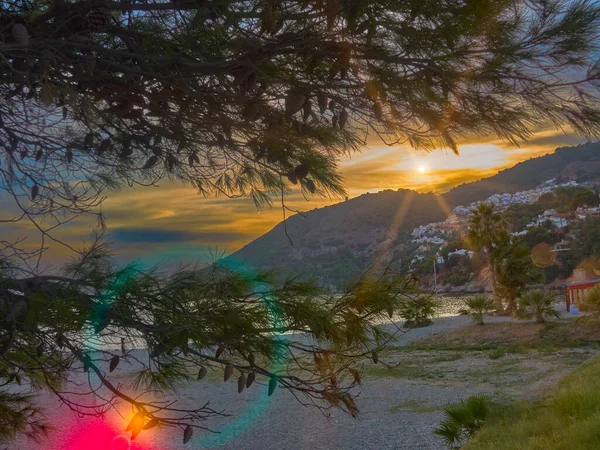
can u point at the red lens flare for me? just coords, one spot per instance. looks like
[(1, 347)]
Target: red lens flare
[(99, 434)]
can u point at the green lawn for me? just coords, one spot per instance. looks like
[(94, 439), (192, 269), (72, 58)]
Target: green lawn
[(569, 419)]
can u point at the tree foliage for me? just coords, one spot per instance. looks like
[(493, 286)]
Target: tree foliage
[(510, 263), (584, 244), (418, 311), (569, 198), (515, 269), (591, 302), (477, 307), (458, 278), (538, 303), (537, 235), (487, 229), (462, 420), (95, 318), (242, 98), (254, 97)]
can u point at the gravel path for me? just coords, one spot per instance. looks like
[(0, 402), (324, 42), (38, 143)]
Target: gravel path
[(396, 413)]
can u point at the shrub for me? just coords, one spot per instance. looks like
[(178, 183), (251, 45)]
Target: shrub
[(478, 307), (463, 419), (537, 303), (418, 311), (591, 302), (497, 353), (457, 279)]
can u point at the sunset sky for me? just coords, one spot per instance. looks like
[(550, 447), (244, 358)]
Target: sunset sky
[(172, 222)]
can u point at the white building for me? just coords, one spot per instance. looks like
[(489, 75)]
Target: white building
[(462, 252)]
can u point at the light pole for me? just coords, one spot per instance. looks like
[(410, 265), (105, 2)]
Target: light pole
[(435, 272)]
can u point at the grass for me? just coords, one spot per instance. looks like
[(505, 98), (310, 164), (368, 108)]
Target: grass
[(412, 406), (567, 420), (502, 338), (496, 373), (403, 370), (497, 353), (476, 368), (447, 357)]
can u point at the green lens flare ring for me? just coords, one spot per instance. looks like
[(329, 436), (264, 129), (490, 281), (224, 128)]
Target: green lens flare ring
[(243, 420)]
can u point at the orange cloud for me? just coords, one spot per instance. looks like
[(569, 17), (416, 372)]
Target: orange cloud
[(192, 224)]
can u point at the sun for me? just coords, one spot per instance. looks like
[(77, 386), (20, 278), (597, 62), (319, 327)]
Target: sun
[(422, 169)]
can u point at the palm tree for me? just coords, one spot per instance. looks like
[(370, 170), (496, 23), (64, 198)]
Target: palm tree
[(486, 229), (463, 420), (478, 307), (538, 303), (418, 312), (514, 270)]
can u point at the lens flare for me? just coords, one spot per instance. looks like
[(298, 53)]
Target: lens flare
[(543, 255), (98, 434), (108, 435), (121, 443)]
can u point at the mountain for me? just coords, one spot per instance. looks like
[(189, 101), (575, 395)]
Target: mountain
[(581, 162), (339, 242)]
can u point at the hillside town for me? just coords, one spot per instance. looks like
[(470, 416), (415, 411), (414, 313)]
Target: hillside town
[(434, 236)]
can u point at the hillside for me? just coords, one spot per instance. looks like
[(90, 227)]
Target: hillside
[(337, 243), (567, 162)]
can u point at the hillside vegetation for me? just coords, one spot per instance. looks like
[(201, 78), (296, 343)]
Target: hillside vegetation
[(337, 243), (582, 162)]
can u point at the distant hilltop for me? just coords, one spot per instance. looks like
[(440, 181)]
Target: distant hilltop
[(581, 163), (337, 243)]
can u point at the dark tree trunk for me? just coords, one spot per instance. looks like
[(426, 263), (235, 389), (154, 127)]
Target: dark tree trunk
[(512, 306), (492, 266), (539, 317)]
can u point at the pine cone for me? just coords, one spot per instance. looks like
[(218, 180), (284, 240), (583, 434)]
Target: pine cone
[(293, 103), (301, 172), (343, 118), (19, 32), (252, 110), (89, 63), (98, 18), (323, 101), (306, 109)]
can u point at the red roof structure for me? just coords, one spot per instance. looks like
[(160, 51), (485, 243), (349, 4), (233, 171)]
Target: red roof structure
[(575, 292)]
